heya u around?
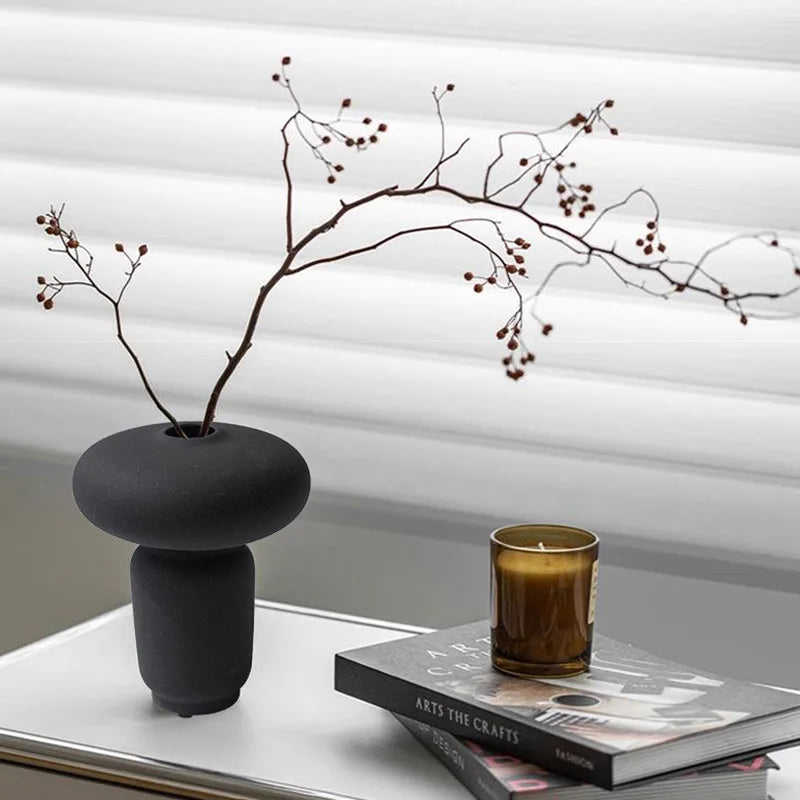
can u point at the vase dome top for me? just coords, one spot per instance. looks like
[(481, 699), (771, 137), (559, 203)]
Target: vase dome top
[(149, 486)]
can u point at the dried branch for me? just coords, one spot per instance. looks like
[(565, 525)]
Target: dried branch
[(641, 264), (506, 265), (82, 258), (246, 342)]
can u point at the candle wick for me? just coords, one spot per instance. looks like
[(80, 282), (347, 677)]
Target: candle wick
[(541, 546)]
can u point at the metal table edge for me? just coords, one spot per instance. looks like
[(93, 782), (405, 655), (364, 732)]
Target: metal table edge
[(130, 770)]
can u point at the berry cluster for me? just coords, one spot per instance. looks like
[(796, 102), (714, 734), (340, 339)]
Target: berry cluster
[(52, 227), (570, 194), (573, 197), (41, 297), (71, 246), (580, 119), (319, 134), (503, 276), (651, 240), (502, 271), (519, 354)]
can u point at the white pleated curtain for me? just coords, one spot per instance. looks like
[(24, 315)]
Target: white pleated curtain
[(157, 122)]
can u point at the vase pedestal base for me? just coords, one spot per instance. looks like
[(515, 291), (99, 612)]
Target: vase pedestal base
[(184, 709), (193, 618)]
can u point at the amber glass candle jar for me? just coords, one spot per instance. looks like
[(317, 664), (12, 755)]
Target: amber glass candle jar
[(544, 588)]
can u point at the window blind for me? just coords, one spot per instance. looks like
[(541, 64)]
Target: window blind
[(158, 123)]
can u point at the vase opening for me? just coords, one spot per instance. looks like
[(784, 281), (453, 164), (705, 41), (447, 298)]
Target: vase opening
[(191, 429)]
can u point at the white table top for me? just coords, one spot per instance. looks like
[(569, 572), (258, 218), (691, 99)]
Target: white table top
[(75, 702), (785, 785)]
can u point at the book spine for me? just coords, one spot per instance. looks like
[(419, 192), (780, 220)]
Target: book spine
[(458, 759), (524, 740)]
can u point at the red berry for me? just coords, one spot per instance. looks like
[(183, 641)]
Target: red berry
[(48, 304), (468, 276), (119, 248), (142, 249), (41, 281), (286, 61)]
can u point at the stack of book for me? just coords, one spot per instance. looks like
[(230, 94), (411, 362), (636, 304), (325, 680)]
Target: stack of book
[(648, 728)]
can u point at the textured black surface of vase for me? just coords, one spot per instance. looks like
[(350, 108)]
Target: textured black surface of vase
[(232, 487), (193, 616), (192, 505)]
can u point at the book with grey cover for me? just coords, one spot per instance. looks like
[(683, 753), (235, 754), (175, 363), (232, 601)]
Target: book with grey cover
[(633, 716), (491, 775)]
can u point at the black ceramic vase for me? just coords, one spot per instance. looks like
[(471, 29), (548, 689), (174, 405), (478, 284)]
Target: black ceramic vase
[(192, 505)]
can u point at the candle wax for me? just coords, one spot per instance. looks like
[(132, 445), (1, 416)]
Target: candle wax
[(541, 604)]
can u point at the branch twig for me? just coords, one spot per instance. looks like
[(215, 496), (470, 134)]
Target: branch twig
[(72, 247)]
